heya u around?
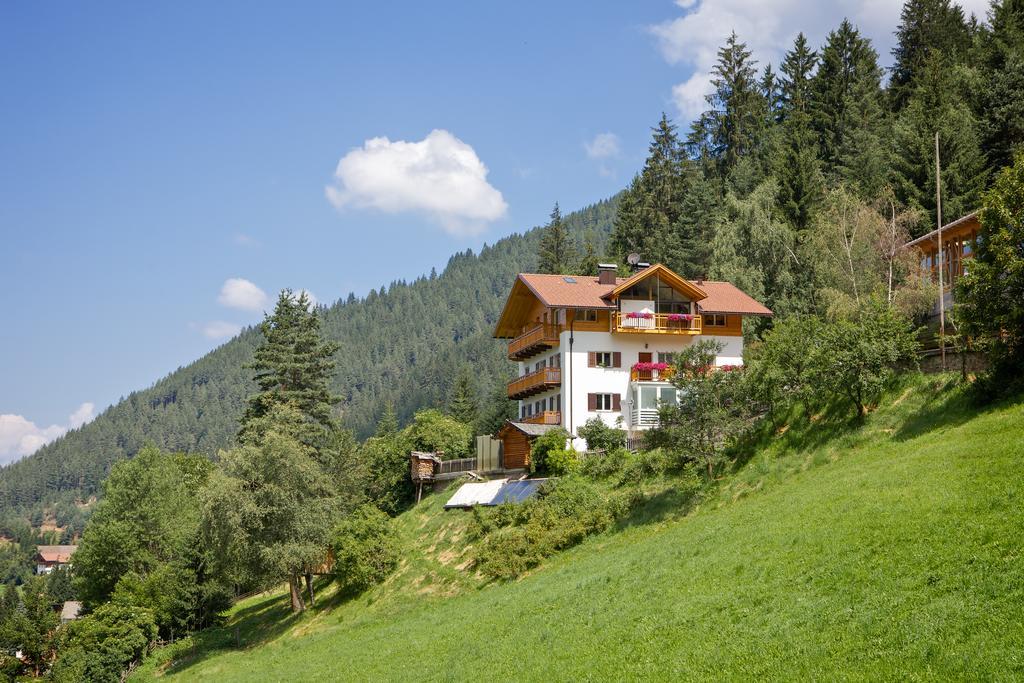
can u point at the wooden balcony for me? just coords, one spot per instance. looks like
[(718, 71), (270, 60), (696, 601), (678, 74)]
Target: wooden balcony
[(665, 375), (533, 341), (548, 417), (657, 323), (535, 383)]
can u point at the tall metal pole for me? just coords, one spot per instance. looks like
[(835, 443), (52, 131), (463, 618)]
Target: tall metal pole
[(938, 216)]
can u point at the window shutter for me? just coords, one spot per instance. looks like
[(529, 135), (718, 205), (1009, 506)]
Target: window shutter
[(616, 401), (591, 402), (592, 360), (617, 360)]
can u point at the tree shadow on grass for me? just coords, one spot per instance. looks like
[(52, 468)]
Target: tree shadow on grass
[(949, 406), (796, 431), (672, 503), (248, 627)]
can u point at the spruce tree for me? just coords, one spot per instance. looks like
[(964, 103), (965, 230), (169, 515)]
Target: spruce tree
[(797, 167), (388, 423), (462, 402), (848, 78), (556, 255), (999, 103), (730, 129), (938, 105), (649, 210), (293, 364), (926, 26)]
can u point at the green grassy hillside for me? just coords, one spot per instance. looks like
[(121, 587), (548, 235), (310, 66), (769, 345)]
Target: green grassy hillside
[(886, 551)]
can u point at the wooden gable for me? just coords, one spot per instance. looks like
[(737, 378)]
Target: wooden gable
[(681, 285)]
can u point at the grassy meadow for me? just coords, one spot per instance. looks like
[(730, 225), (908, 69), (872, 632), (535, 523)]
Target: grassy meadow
[(885, 550)]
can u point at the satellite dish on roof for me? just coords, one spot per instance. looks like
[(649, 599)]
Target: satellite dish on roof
[(633, 259)]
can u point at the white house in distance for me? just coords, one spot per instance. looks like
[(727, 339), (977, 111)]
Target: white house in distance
[(603, 346), (50, 557)]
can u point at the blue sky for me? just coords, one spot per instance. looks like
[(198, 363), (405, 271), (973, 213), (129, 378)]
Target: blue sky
[(163, 164)]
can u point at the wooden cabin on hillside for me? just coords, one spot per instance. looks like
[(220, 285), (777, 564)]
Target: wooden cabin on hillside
[(959, 240)]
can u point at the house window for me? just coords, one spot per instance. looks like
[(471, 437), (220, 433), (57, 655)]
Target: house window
[(666, 357), (538, 407), (604, 401), (714, 319), (604, 359), (586, 316)]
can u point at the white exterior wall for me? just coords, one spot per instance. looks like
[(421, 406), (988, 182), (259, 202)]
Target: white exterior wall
[(585, 380), (732, 349)]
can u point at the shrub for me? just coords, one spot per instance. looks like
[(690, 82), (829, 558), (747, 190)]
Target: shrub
[(607, 465), (644, 466), (563, 461), (100, 646), (554, 439), (432, 430), (366, 549), (600, 436), (563, 514)]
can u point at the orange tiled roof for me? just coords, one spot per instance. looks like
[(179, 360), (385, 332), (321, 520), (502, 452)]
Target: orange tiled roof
[(56, 553), (725, 297), (556, 291), (586, 292)]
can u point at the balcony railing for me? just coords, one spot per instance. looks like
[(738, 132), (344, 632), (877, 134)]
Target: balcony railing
[(646, 417), (658, 323), (535, 383), (637, 375), (533, 341), (548, 417)]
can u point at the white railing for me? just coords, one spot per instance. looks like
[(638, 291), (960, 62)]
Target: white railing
[(645, 417)]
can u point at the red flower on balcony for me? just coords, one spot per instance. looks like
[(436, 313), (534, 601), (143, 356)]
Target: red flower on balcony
[(639, 315), (679, 317), (647, 367)]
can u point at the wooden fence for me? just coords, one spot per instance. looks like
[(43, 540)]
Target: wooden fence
[(488, 454)]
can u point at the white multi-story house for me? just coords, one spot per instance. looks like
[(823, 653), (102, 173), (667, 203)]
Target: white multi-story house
[(603, 346)]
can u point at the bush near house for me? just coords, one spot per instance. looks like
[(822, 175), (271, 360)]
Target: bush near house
[(366, 549)]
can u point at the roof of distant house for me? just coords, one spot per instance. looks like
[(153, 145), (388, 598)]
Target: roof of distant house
[(70, 610), (56, 553)]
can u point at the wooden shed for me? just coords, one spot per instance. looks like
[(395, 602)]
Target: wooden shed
[(423, 466), (517, 439)]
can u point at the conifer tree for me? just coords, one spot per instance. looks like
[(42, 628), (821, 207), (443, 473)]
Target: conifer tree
[(293, 365), (848, 79), (1000, 97), (649, 210), (462, 403), (730, 128), (388, 423), (797, 166), (589, 260), (938, 105), (926, 26), (556, 255)]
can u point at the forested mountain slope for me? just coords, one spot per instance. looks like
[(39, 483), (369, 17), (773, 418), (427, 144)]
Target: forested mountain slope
[(403, 343)]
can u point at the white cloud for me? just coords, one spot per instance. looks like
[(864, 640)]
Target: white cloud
[(243, 240), (85, 413), (20, 437), (768, 27), (603, 146), (220, 329), (240, 293), (440, 176)]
